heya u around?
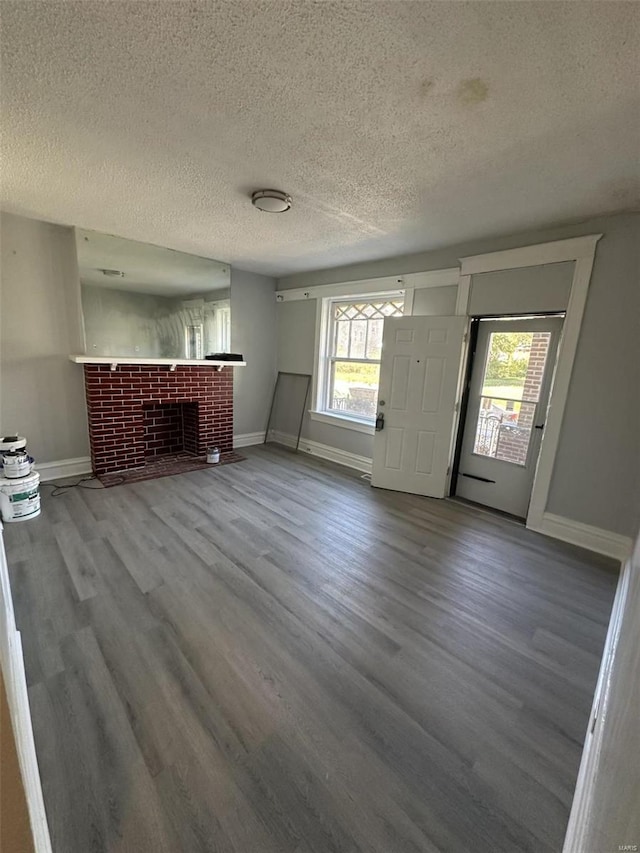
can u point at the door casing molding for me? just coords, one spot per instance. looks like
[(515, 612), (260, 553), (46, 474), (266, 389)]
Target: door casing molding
[(580, 250)]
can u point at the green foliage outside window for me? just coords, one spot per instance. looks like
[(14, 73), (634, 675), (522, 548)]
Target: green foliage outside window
[(361, 374), (508, 357)]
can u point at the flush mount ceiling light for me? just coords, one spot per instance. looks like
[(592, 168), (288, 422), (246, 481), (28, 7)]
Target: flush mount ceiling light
[(271, 201), (112, 273)]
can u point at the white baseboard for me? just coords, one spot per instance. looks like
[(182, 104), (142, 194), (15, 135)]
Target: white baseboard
[(82, 464), (248, 439), (323, 451), (63, 468), (593, 538)]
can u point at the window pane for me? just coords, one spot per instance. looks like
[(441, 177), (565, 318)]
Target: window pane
[(354, 388), (515, 365), (374, 339), (193, 337), (358, 338), (342, 338), (356, 333), (504, 429)]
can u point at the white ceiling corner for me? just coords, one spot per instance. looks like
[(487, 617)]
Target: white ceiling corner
[(396, 126)]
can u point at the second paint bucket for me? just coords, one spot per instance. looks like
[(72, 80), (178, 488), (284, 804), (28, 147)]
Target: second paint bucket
[(20, 499)]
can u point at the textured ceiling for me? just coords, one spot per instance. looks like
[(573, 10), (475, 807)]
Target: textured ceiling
[(396, 126)]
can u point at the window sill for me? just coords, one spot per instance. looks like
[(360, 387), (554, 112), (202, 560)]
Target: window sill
[(357, 424)]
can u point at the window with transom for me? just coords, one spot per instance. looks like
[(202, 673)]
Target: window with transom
[(350, 364)]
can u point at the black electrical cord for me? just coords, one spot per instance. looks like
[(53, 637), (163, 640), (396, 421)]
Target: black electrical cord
[(61, 489)]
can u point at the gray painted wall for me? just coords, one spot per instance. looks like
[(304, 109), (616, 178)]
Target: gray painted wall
[(435, 301), (296, 335), (597, 475), (253, 333), (296, 330), (529, 290), (41, 391)]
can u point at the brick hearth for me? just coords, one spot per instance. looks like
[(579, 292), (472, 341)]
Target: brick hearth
[(119, 402)]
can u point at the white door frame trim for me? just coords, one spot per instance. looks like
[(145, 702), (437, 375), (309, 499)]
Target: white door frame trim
[(531, 256), (15, 683), (580, 250)]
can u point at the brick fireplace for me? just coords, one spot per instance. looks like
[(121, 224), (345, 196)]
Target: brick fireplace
[(140, 412)]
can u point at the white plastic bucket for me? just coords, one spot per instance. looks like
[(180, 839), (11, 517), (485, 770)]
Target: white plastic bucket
[(20, 499)]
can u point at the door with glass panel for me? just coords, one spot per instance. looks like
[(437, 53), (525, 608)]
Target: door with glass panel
[(507, 404)]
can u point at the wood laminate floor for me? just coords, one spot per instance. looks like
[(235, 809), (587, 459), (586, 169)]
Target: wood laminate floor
[(274, 657)]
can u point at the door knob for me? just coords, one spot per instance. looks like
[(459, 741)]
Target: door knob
[(539, 426), (380, 422)]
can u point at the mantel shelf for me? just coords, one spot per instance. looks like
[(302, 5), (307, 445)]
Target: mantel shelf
[(171, 363)]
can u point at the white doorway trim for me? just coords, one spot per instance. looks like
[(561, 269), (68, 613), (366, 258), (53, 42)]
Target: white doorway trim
[(580, 250)]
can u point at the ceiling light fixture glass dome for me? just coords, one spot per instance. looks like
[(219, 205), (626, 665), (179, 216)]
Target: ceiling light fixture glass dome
[(271, 201)]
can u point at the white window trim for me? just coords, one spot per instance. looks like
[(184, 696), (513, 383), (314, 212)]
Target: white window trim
[(318, 386), (346, 421)]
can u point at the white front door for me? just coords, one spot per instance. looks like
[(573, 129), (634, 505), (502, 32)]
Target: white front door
[(508, 397), (419, 377)]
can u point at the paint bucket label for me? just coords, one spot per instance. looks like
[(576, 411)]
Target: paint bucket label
[(25, 503), (17, 467)]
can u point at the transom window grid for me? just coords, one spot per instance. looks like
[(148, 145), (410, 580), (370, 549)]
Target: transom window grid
[(377, 310)]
